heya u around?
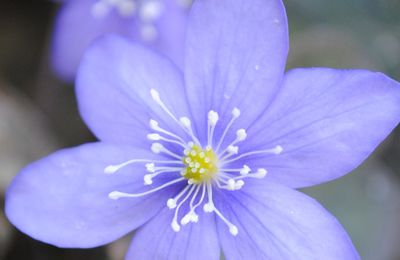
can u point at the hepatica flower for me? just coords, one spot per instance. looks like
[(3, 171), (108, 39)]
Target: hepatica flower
[(209, 159), (157, 23)]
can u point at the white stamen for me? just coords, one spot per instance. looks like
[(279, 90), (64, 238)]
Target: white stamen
[(232, 228), (150, 167), (187, 126), (239, 184), (261, 173), (235, 115), (191, 216), (213, 118), (233, 149), (159, 148), (235, 112), (154, 126), (241, 135), (148, 179), (231, 184), (175, 226), (117, 194), (154, 137), (171, 203), (277, 150), (114, 168), (185, 122), (209, 206), (174, 223), (245, 170)]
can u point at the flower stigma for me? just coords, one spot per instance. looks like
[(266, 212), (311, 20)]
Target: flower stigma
[(201, 165), (201, 168)]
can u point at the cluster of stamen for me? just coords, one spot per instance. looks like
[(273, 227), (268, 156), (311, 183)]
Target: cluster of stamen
[(204, 168), (147, 12)]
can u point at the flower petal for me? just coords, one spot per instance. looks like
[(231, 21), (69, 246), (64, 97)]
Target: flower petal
[(63, 199), (235, 57), (76, 27), (275, 222), (113, 89), (327, 121), (157, 240)]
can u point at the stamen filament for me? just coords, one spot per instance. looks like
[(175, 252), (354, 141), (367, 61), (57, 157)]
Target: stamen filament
[(277, 150), (154, 126), (117, 194), (235, 115), (175, 226), (114, 168)]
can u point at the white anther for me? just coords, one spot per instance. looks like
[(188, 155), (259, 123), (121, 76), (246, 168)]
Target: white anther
[(157, 148), (111, 169), (155, 95), (239, 184), (192, 181), (241, 135), (153, 124), (185, 122), (115, 195), (186, 219), (213, 117), (153, 137), (150, 167), (171, 203), (175, 226), (236, 112), (208, 207), (261, 173), (231, 184), (202, 154), (148, 179), (233, 230), (278, 149), (245, 170), (233, 149)]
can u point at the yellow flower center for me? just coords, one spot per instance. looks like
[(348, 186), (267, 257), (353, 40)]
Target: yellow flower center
[(201, 164)]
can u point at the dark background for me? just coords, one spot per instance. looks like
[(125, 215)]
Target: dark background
[(38, 114)]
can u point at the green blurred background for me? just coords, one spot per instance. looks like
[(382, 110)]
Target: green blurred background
[(38, 114)]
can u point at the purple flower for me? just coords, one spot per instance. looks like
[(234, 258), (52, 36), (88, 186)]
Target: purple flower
[(157, 23), (208, 160)]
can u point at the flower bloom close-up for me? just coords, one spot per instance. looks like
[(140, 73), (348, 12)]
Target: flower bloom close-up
[(208, 159), (156, 23)]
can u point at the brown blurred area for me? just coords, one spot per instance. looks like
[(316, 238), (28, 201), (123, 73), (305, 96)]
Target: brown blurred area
[(38, 114)]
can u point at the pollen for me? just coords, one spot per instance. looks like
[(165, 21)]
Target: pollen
[(201, 164)]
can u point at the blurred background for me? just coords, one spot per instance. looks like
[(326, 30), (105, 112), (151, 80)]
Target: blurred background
[(38, 114)]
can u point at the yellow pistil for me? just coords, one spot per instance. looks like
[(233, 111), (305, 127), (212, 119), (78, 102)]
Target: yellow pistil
[(201, 164)]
